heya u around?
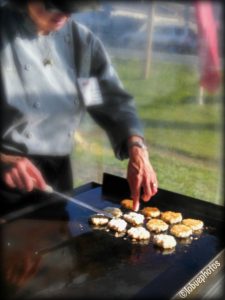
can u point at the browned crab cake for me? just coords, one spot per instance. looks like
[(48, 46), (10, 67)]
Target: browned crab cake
[(138, 233), (171, 217), (152, 212), (164, 241), (134, 218), (181, 231), (193, 223), (115, 211), (127, 203), (98, 220), (117, 224), (157, 225)]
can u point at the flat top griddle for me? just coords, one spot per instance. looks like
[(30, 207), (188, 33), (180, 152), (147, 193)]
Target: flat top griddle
[(67, 258)]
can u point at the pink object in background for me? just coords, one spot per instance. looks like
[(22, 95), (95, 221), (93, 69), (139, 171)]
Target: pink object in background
[(208, 46)]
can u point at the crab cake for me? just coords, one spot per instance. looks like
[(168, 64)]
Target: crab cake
[(115, 211), (98, 220), (171, 217), (152, 212), (127, 203), (134, 218), (117, 224), (157, 225), (193, 223), (164, 241), (138, 233), (181, 231)]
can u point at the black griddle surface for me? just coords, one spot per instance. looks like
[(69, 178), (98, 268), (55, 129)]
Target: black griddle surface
[(77, 261)]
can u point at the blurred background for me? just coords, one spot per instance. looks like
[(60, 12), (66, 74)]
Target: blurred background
[(154, 46)]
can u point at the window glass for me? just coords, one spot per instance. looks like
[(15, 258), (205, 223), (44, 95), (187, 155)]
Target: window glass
[(182, 122)]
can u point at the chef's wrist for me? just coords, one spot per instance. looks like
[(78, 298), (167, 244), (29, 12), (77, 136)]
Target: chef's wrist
[(136, 141), (136, 145)]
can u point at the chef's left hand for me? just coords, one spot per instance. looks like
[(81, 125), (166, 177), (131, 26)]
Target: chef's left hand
[(140, 174)]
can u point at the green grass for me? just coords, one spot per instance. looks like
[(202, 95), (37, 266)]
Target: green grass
[(184, 137)]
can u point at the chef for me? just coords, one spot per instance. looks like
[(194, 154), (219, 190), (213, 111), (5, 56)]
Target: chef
[(53, 70)]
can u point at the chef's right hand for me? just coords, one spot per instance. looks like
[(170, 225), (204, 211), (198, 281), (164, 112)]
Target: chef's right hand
[(19, 172)]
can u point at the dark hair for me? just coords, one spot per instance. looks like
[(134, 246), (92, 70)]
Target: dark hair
[(63, 5)]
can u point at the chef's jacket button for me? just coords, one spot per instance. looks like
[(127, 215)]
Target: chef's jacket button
[(37, 104), (27, 67), (28, 135)]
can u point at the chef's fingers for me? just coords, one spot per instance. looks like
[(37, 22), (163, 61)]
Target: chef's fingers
[(18, 178), (8, 180), (38, 179), (150, 188), (133, 193), (154, 186), (136, 202), (27, 179), (135, 187), (147, 190), (24, 175)]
